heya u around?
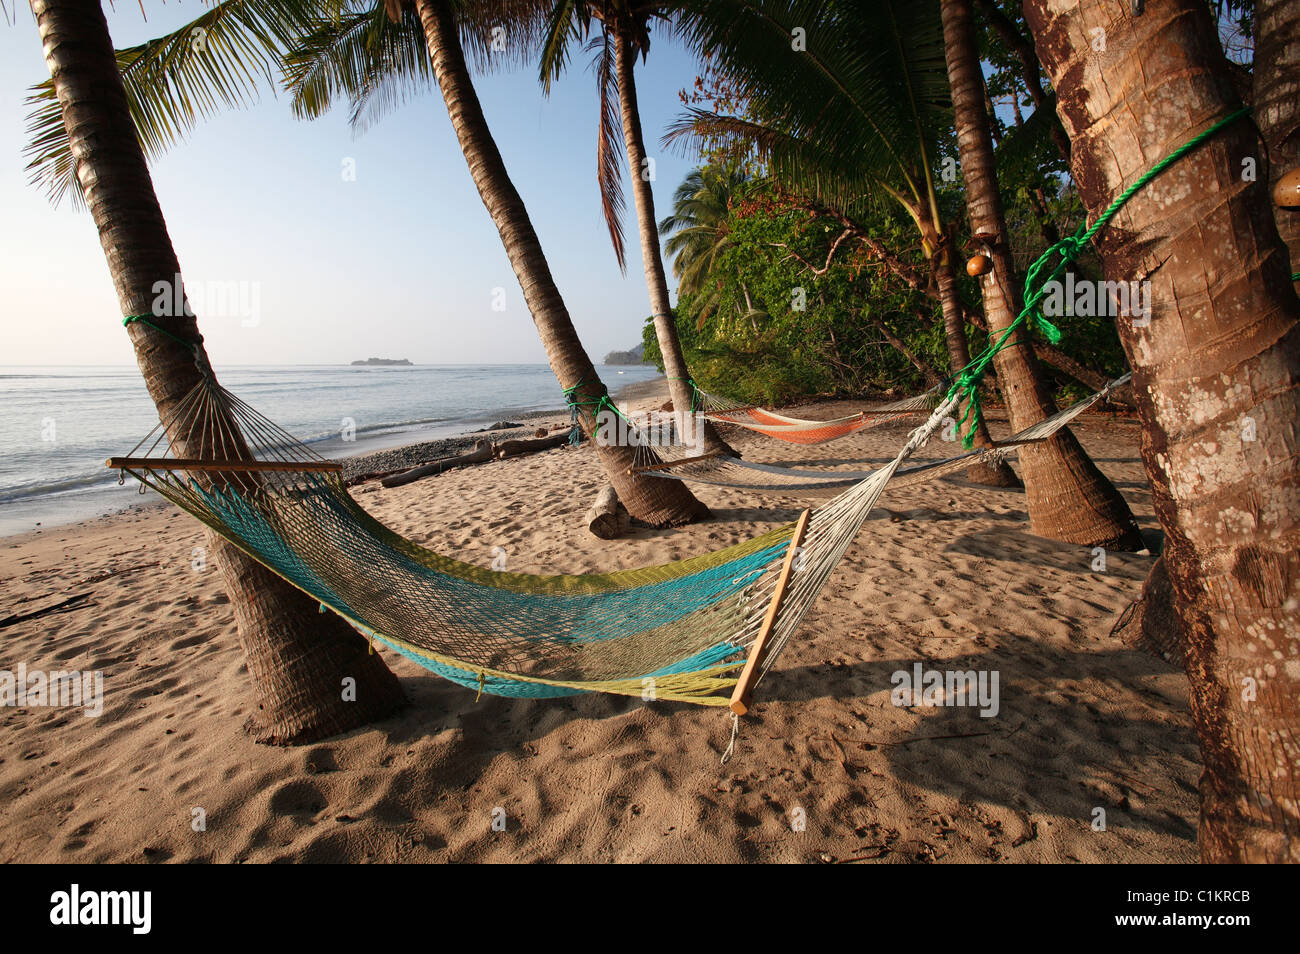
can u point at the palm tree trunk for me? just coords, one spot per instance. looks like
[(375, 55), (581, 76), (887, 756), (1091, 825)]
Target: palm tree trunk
[(651, 258), (1276, 96), (954, 328), (297, 658), (1016, 43), (654, 501), (1050, 354), (1068, 498), (1216, 378)]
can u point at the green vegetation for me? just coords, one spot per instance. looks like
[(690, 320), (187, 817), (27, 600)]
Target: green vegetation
[(776, 302)]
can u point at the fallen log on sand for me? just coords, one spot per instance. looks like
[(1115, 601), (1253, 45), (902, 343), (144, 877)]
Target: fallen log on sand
[(608, 518), (529, 445), (481, 454)]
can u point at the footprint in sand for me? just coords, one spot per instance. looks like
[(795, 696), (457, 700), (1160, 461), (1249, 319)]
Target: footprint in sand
[(297, 798), (320, 760), (186, 642)]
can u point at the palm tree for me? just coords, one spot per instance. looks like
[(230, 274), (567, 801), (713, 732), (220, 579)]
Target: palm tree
[(625, 35), (851, 105), (699, 233), (856, 110), (298, 659), (1215, 374), (376, 53), (1070, 497), (698, 224), (658, 502)]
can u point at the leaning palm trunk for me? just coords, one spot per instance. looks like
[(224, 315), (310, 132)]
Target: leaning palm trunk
[(936, 243), (1215, 375), (997, 474), (657, 502), (298, 659), (655, 278), (1068, 498), (1276, 98)]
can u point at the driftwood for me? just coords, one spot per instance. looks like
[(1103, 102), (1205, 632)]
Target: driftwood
[(608, 518), (67, 606), (529, 445), (481, 454)]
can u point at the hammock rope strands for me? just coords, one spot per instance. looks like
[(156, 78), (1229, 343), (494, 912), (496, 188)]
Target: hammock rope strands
[(680, 631), (678, 462), (795, 430)]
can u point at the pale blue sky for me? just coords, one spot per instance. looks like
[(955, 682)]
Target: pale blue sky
[(401, 262)]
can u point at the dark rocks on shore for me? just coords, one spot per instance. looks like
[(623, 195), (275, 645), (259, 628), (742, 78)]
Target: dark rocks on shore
[(414, 455), (404, 458)]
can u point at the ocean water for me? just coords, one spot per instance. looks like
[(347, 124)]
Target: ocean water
[(59, 424)]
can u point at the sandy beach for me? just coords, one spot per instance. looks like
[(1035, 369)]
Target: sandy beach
[(946, 575)]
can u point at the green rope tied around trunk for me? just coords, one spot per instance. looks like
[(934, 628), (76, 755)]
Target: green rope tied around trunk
[(696, 403), (967, 380), (144, 319), (597, 404)]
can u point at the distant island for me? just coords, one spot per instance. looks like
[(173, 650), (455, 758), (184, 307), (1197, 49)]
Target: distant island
[(635, 356), (383, 362)]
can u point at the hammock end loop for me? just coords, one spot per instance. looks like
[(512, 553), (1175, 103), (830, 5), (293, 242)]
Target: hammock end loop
[(731, 746)]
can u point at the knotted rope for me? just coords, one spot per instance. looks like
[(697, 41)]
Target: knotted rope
[(966, 381), (576, 401)]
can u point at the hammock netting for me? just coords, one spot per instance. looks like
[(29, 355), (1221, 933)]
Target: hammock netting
[(680, 630), (665, 455), (795, 430)]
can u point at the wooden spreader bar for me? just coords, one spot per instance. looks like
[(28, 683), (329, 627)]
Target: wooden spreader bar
[(675, 463), (230, 466), (740, 696)]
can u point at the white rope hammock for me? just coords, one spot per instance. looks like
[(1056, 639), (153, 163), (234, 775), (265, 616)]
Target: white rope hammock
[(671, 461)]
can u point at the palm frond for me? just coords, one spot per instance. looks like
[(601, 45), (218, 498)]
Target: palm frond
[(700, 228), (223, 58), (569, 22), (867, 93), (800, 163), (609, 142), (373, 62), (219, 60), (378, 64)]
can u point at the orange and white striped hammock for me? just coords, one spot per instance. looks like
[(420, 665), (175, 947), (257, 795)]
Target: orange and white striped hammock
[(796, 430)]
